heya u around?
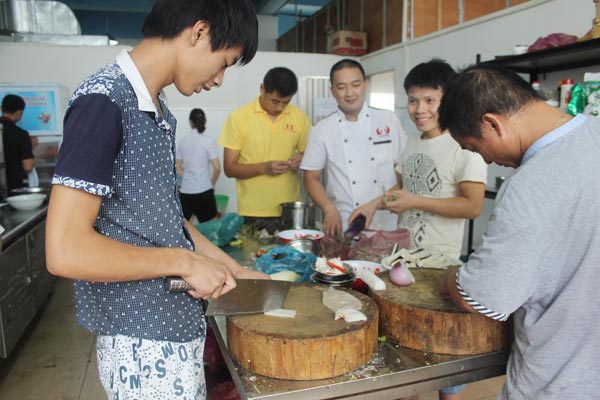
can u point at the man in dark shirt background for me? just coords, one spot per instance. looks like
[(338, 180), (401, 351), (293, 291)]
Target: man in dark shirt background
[(18, 154)]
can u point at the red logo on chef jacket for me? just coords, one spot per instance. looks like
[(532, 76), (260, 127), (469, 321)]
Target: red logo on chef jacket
[(383, 132)]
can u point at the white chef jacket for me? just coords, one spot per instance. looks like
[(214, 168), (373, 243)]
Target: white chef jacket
[(358, 158)]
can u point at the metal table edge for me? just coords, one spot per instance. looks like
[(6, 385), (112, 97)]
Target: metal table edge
[(402, 383)]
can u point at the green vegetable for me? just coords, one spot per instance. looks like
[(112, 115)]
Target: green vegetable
[(386, 199)]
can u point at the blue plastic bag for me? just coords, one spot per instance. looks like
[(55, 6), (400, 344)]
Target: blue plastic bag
[(221, 231), (285, 258)]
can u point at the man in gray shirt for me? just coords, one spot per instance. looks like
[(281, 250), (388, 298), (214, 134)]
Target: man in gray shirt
[(540, 255)]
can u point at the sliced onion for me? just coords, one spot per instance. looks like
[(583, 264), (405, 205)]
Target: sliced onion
[(400, 275)]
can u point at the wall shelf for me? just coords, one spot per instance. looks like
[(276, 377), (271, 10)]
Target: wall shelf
[(574, 55)]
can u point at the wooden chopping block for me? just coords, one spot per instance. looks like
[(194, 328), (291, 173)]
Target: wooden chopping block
[(311, 346), (419, 318)]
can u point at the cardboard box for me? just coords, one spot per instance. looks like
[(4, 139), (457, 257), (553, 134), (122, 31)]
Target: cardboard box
[(347, 42)]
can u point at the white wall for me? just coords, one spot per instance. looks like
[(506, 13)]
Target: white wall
[(68, 65), (268, 30), (489, 36)]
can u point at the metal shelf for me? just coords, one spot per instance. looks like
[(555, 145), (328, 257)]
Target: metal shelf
[(574, 55)]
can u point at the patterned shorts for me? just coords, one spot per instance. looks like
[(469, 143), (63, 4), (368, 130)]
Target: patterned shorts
[(142, 369)]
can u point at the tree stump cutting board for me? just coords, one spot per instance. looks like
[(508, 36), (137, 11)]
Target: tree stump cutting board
[(311, 346), (419, 318)]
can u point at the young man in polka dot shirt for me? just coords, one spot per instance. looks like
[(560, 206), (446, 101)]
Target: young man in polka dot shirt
[(115, 223)]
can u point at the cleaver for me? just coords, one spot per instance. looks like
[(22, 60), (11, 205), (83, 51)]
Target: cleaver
[(250, 296)]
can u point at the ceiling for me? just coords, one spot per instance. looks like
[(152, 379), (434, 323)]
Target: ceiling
[(289, 7), (266, 7), (123, 19)]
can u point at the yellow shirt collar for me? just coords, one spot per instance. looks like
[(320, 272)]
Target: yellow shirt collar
[(258, 108)]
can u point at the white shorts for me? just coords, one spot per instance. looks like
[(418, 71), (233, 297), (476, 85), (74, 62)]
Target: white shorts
[(142, 369)]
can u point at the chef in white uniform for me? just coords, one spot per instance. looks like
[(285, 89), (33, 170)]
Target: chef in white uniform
[(358, 147)]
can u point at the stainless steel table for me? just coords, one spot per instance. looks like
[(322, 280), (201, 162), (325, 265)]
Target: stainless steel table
[(393, 371), (16, 223)]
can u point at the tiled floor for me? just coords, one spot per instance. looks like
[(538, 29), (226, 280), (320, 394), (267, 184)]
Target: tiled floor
[(56, 360)]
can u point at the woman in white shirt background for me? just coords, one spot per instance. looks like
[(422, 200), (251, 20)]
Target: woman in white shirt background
[(196, 154)]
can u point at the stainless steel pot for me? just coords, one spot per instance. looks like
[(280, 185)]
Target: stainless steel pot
[(305, 245), (499, 181), (297, 215)]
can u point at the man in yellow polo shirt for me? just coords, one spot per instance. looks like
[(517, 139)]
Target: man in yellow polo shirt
[(264, 142)]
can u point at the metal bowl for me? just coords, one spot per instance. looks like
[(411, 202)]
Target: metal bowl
[(305, 245), (317, 278), (349, 276)]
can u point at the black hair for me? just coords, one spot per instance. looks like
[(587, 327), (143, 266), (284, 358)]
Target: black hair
[(281, 80), (478, 90), (346, 63), (11, 103), (433, 74), (232, 22), (198, 119)]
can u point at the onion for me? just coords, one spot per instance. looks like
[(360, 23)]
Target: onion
[(285, 275), (400, 275)]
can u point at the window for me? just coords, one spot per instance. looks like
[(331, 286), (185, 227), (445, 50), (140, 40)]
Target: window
[(382, 91)]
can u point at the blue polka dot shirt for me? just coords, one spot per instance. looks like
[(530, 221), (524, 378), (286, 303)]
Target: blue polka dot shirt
[(116, 145)]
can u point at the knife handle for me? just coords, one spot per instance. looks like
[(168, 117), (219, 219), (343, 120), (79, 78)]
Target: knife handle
[(175, 284)]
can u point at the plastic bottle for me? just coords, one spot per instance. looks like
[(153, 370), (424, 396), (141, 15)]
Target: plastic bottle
[(553, 96), (565, 93), (538, 88)]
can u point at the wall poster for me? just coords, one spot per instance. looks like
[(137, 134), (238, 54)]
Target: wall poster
[(43, 114)]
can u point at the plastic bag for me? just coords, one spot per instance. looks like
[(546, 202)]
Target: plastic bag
[(375, 247), (335, 247), (221, 231), (224, 391), (212, 356), (585, 98), (552, 40), (285, 258)]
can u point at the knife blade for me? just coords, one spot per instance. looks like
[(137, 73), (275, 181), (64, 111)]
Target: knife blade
[(250, 296)]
